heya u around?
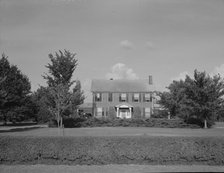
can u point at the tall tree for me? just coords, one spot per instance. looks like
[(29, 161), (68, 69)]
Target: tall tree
[(205, 95), (200, 97), (14, 85), (59, 80)]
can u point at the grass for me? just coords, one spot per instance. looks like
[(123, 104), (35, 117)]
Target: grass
[(111, 150), (118, 131)]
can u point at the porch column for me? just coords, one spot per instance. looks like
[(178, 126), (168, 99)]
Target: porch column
[(130, 111), (117, 111)]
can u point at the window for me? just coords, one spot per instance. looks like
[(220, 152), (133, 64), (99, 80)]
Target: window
[(100, 112), (110, 97), (147, 97), (123, 97), (147, 112), (98, 97), (136, 97)]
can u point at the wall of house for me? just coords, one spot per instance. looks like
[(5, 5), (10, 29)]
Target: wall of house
[(105, 104)]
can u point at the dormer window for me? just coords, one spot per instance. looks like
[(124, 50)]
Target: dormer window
[(98, 97), (123, 97), (136, 97), (147, 97)]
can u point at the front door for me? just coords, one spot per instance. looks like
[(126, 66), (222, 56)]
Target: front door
[(125, 113)]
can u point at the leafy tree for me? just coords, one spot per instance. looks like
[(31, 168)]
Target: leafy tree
[(204, 94), (15, 88), (59, 80), (200, 97)]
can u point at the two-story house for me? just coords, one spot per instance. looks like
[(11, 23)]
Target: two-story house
[(126, 97)]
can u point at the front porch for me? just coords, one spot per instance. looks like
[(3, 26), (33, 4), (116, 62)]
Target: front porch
[(124, 111)]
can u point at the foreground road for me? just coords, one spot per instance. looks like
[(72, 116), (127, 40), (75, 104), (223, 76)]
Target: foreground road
[(108, 168)]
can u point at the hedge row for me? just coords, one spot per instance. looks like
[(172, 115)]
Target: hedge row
[(111, 150), (105, 122)]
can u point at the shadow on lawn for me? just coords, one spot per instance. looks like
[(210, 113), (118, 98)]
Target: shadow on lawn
[(19, 129), (18, 124)]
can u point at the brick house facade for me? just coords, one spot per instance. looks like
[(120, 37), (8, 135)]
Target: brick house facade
[(122, 98)]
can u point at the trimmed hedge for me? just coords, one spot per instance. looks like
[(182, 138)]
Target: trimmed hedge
[(117, 122), (111, 150)]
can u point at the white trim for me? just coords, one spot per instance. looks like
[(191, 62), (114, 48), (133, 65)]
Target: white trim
[(123, 106)]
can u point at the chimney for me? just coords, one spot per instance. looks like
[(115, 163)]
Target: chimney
[(150, 80)]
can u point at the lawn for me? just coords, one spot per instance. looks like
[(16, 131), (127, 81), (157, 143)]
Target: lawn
[(113, 145), (117, 131)]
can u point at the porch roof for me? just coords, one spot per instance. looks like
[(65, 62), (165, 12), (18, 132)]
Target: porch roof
[(124, 105)]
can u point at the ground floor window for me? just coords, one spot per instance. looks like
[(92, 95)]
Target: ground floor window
[(99, 111), (147, 112)]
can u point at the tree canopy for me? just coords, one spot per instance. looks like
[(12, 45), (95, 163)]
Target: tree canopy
[(61, 68), (14, 88), (200, 97)]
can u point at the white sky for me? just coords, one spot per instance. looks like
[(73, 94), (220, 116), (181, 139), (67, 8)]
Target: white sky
[(121, 38)]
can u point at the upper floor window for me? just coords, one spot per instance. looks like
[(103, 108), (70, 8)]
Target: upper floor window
[(123, 97), (110, 97), (136, 97), (147, 97), (98, 97)]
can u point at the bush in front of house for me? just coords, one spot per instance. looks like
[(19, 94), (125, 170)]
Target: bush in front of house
[(117, 122), (111, 150), (160, 114), (135, 122), (137, 112)]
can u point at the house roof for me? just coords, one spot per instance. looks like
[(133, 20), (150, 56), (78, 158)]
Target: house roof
[(120, 85)]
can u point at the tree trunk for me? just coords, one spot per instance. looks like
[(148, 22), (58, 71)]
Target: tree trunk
[(61, 122), (168, 116), (205, 124), (5, 119), (58, 119)]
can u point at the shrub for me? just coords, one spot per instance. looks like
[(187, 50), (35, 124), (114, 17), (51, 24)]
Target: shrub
[(160, 114), (117, 122), (151, 122), (111, 150), (112, 112), (199, 122), (52, 123), (73, 122), (137, 112)]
